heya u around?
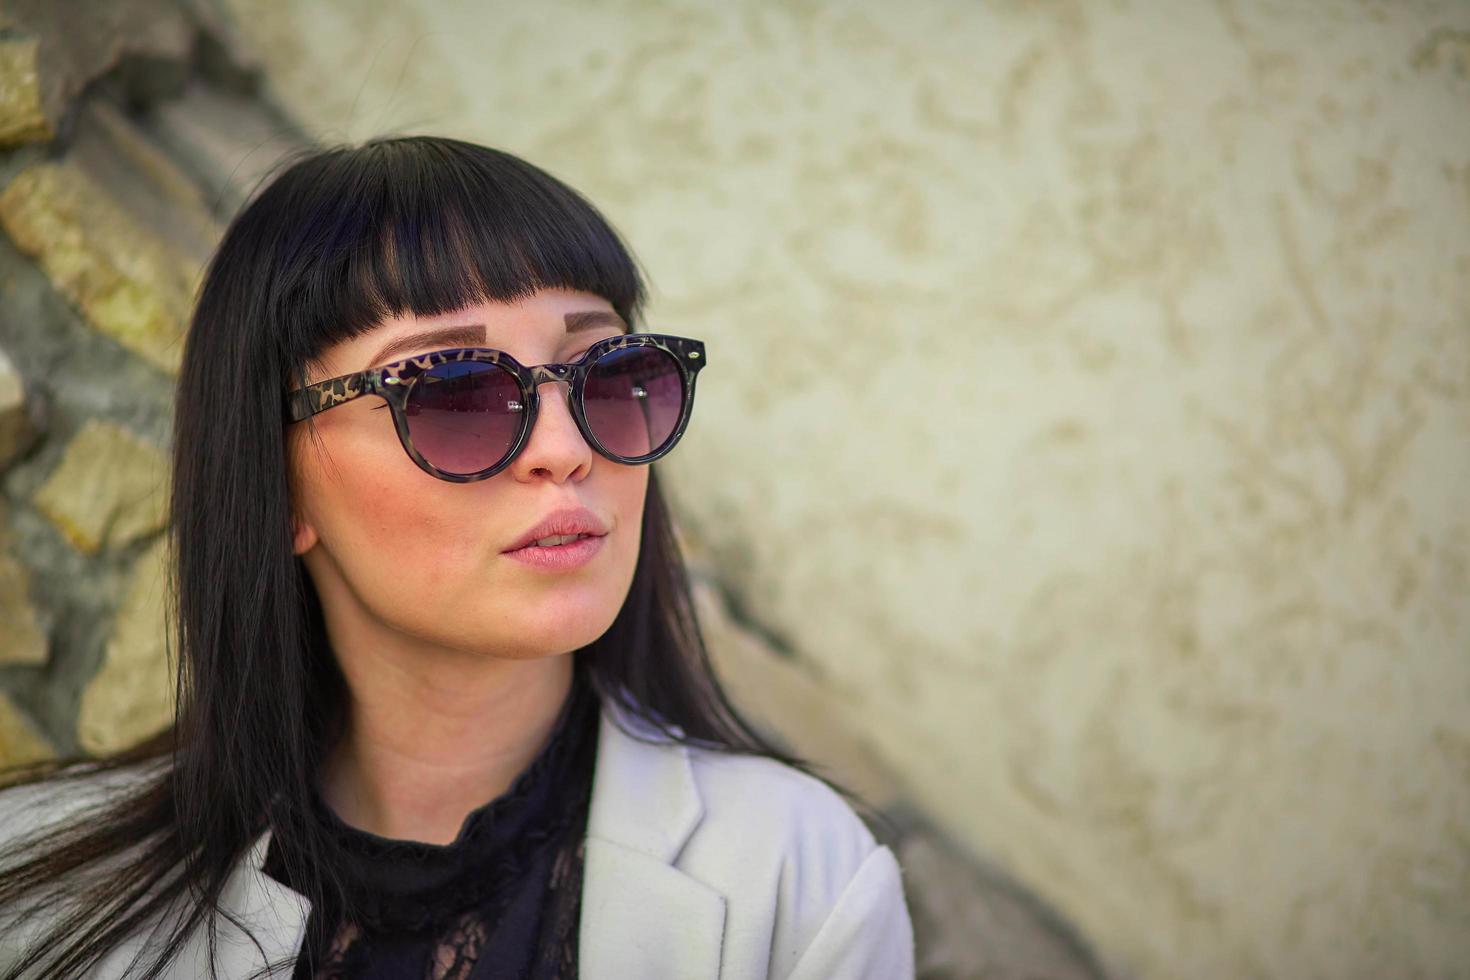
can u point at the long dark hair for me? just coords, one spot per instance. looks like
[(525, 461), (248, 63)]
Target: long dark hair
[(336, 241)]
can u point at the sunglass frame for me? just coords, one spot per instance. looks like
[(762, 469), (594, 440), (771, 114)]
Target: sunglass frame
[(393, 382)]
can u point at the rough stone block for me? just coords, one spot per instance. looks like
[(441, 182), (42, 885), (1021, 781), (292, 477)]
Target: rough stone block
[(131, 696), (15, 423), (127, 283), (110, 488), (149, 40), (22, 640), (22, 118), (152, 188), (20, 742), (228, 142)]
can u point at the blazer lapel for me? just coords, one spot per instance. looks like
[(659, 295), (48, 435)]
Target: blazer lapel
[(641, 916), (274, 915)]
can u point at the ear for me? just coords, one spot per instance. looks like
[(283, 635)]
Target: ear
[(303, 536)]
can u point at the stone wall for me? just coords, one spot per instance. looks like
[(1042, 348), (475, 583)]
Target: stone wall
[(1086, 416), (104, 233), (126, 142)]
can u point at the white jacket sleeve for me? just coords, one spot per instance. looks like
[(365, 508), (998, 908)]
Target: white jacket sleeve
[(868, 935)]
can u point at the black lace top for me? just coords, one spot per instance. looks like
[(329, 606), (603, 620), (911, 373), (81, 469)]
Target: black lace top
[(501, 901)]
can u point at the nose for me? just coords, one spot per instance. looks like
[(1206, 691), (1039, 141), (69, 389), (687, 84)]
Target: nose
[(555, 449)]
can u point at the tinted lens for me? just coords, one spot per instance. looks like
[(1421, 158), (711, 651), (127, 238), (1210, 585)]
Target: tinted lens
[(632, 399), (464, 416)]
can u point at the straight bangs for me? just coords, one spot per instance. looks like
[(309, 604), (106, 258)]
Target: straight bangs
[(414, 225)]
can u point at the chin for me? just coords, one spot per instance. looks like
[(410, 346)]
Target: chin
[(554, 629)]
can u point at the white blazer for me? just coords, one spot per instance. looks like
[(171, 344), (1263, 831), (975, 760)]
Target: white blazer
[(698, 865)]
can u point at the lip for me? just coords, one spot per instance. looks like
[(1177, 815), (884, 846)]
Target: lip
[(562, 557), (569, 520)]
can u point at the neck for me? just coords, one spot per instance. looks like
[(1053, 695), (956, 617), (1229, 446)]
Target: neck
[(427, 740)]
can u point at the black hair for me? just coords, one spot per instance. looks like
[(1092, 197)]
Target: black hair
[(337, 240)]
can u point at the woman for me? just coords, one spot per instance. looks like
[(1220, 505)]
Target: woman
[(443, 706)]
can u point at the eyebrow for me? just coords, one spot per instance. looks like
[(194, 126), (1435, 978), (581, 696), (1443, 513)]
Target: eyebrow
[(473, 334)]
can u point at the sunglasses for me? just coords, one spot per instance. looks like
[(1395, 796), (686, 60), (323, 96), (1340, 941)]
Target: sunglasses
[(465, 413)]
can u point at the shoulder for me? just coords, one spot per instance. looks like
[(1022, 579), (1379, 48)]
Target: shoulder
[(801, 871), (733, 812), (752, 805), (805, 888), (780, 806)]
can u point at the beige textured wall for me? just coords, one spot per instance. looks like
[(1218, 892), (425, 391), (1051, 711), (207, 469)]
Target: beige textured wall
[(1089, 406)]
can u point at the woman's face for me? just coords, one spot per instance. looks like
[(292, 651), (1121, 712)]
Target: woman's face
[(400, 557)]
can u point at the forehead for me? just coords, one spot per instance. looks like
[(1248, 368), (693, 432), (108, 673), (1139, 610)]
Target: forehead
[(533, 327)]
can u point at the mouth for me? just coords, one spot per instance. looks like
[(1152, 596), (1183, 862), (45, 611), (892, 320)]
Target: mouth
[(559, 552), (561, 529)]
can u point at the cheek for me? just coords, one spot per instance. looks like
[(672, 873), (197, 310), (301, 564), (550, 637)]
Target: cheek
[(386, 522), (417, 534), (630, 493)]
